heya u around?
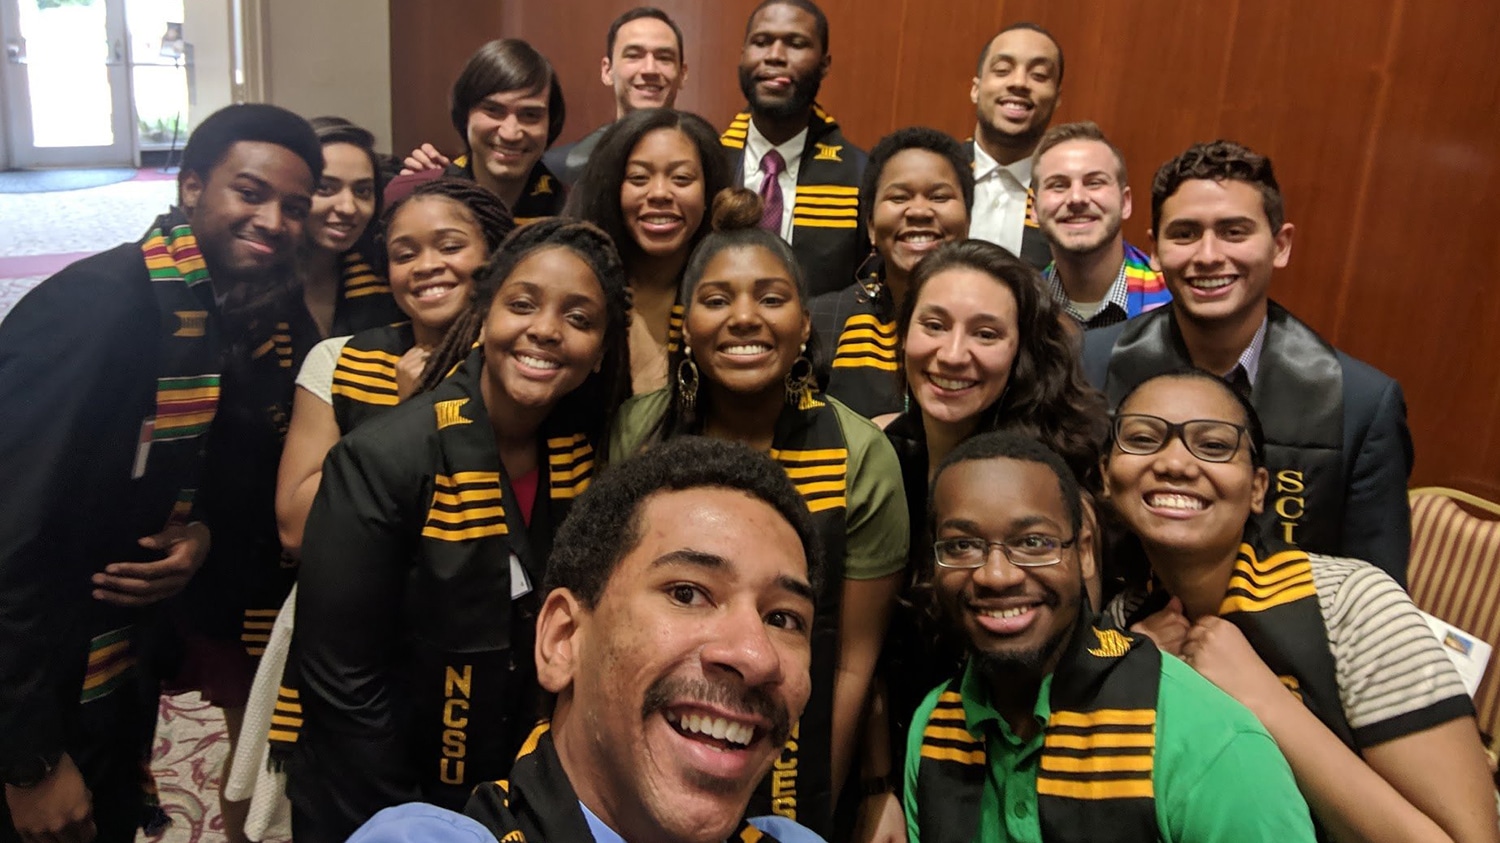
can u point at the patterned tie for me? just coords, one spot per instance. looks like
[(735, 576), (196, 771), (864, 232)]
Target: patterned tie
[(770, 191)]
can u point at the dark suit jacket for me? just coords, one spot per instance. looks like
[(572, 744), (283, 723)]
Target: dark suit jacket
[(1377, 457)]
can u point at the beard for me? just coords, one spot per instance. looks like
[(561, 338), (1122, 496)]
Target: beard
[(801, 97), (1003, 666), (1086, 248)]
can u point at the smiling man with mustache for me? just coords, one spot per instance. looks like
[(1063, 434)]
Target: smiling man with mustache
[(1057, 730), (676, 636), (790, 151), (1016, 87)]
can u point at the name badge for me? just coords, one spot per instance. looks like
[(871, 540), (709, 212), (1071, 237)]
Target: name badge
[(142, 448), (520, 582)]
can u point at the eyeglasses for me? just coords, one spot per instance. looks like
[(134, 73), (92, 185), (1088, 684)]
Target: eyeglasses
[(1209, 440), (1032, 551)]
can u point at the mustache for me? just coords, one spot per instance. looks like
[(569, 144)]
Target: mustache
[(750, 702)]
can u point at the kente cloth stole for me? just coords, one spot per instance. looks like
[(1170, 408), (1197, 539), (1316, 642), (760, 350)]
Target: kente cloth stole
[(1094, 779)]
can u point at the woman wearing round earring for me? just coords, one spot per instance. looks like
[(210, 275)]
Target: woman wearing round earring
[(916, 194), (743, 373), (1330, 654), (647, 184), (428, 540)]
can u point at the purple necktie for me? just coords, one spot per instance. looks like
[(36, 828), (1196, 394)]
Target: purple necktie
[(770, 191)]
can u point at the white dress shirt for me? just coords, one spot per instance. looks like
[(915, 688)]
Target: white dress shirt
[(756, 147), (999, 212)]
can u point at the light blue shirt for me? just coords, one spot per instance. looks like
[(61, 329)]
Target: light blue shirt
[(781, 828)]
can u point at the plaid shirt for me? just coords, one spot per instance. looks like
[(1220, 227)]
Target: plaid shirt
[(1137, 289)]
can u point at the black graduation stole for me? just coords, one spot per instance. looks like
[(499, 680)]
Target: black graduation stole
[(827, 235), (543, 196), (1299, 396), (809, 444), (365, 299), (863, 371), (537, 803), (1272, 599), (468, 641), (1094, 777), (169, 452), (1035, 250), (364, 379)]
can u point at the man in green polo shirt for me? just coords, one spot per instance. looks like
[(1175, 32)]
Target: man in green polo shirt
[(1057, 730)]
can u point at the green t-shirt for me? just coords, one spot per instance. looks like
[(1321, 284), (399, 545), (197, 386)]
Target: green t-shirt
[(877, 529), (1217, 775)]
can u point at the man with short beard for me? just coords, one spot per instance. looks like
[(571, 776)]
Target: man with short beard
[(1081, 199), (790, 151), (676, 636), (643, 66), (109, 380), (1057, 730), (1015, 89)]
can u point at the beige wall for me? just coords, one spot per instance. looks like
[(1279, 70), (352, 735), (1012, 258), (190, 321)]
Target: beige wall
[(206, 26), (331, 57)]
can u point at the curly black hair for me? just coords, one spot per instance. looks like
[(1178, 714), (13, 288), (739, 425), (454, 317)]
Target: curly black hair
[(914, 137), (604, 525), (1220, 160)]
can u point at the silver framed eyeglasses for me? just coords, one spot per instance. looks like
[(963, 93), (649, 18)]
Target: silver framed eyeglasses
[(1209, 440), (1029, 551)]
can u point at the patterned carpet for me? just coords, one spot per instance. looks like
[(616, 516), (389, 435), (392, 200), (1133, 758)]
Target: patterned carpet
[(191, 743)]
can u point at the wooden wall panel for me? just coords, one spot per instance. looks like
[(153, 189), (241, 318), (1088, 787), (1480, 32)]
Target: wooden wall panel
[(427, 52), (1384, 126)]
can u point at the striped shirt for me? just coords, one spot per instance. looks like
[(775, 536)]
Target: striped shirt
[(1393, 677)]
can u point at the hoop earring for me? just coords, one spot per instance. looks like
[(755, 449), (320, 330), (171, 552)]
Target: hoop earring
[(864, 265), (687, 385), (799, 385)]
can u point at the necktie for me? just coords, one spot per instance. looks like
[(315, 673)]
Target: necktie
[(1239, 380), (770, 191)]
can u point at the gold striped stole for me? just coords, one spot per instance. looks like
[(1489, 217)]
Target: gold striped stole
[(947, 736), (360, 279), (821, 476), (366, 376), (1101, 754), (826, 206), (674, 329), (111, 656), (739, 129), (570, 466), (866, 342), (465, 505), (1260, 584), (256, 632), (286, 717)]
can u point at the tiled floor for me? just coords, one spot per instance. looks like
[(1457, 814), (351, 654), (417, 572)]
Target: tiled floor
[(41, 233)]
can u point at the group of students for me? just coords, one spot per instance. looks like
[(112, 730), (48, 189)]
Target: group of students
[(1031, 459)]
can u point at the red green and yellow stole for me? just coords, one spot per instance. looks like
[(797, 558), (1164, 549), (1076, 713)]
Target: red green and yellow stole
[(1094, 778)]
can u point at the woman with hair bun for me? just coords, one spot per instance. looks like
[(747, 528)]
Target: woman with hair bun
[(744, 372), (427, 543)]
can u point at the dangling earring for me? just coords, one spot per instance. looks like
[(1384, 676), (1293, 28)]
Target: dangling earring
[(864, 267), (799, 384), (687, 385)]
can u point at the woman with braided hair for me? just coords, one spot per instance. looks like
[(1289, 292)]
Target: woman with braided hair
[(429, 537), (435, 240)]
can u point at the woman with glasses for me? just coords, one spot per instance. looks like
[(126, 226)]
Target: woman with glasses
[(1330, 654)]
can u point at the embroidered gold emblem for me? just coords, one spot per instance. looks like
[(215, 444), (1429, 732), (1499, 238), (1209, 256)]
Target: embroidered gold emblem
[(190, 323), (514, 837), (450, 413), (828, 152), (1112, 644), (543, 186), (1292, 685)]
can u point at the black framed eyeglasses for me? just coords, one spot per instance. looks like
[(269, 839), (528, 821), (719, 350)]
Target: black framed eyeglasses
[(1030, 551), (1209, 440)]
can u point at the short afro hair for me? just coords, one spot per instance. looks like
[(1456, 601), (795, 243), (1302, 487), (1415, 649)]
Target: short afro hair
[(916, 137), (1010, 446), (259, 122), (605, 524)]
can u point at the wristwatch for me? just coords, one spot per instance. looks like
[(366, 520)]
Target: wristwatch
[(31, 771)]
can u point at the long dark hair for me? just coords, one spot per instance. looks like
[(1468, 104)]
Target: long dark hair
[(332, 130), (735, 220), (1046, 395), (591, 407), (595, 197)]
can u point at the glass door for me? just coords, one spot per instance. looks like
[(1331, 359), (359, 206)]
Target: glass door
[(66, 80)]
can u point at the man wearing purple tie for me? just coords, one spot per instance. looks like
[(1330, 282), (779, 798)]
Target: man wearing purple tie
[(789, 150)]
